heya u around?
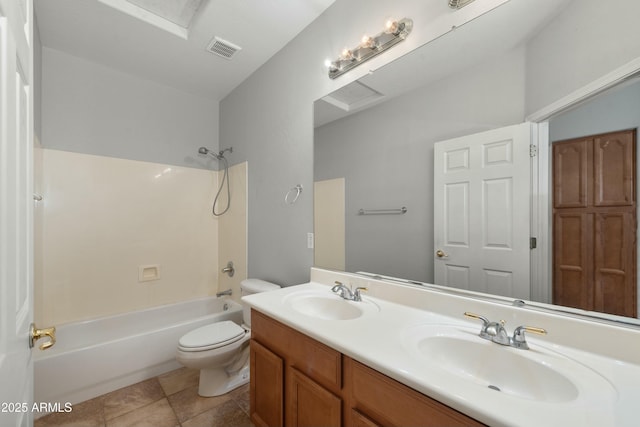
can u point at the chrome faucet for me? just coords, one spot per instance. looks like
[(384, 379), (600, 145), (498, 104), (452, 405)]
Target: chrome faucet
[(227, 292), (495, 332), (346, 293)]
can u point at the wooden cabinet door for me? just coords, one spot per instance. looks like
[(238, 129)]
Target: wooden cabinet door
[(571, 172), (311, 405), (361, 420), (594, 223), (615, 261), (266, 389), (573, 259), (613, 169)]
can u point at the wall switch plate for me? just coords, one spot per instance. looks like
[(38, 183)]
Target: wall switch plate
[(309, 240), (147, 273)]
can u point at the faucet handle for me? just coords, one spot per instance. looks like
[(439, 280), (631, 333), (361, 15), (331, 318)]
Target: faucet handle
[(356, 293), (485, 321), (337, 286), (519, 340), (342, 290)]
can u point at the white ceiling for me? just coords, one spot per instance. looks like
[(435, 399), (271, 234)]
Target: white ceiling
[(92, 30)]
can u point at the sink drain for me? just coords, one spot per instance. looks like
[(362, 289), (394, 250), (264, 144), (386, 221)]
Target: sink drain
[(493, 387)]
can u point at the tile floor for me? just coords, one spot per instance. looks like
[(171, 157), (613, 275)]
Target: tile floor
[(169, 400)]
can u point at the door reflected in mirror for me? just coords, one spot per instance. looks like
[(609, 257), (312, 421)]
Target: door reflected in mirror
[(382, 157)]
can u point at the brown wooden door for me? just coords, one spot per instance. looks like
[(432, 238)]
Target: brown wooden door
[(266, 389), (311, 405), (594, 220)]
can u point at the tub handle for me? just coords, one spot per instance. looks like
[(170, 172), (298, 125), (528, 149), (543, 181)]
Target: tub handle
[(36, 334), (229, 269)]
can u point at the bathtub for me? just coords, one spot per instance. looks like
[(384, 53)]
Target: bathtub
[(97, 356)]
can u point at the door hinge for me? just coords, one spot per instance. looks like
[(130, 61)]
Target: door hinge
[(533, 243), (533, 150)]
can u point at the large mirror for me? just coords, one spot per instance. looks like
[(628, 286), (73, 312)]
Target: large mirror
[(374, 143)]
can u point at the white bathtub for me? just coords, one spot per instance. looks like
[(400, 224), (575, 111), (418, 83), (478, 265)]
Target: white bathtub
[(94, 357)]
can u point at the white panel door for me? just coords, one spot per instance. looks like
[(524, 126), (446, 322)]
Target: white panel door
[(481, 211), (16, 212)]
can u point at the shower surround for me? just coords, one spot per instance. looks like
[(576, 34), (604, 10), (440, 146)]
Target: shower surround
[(104, 218)]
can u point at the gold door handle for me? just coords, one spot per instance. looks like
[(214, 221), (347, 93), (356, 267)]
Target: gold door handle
[(440, 254), (35, 334)]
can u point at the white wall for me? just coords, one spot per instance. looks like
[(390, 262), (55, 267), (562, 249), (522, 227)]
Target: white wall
[(88, 108)]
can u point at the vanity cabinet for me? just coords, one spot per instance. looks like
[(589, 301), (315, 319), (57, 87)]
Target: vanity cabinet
[(308, 385), (298, 381)]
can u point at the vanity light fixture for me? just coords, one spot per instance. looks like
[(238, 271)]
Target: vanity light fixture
[(370, 46)]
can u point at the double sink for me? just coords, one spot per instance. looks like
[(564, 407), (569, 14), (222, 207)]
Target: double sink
[(454, 354)]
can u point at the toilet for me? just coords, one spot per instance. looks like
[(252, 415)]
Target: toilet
[(221, 350)]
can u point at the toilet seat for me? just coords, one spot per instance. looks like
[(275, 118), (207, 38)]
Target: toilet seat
[(212, 336)]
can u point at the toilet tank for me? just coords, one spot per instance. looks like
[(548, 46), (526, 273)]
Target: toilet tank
[(250, 287)]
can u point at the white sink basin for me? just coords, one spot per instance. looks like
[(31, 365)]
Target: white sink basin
[(328, 306), (537, 374)]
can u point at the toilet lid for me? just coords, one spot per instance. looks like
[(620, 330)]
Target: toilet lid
[(212, 336)]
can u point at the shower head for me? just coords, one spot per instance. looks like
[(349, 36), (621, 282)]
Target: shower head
[(220, 155), (205, 151)]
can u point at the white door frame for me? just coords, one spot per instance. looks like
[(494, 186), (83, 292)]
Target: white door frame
[(541, 258)]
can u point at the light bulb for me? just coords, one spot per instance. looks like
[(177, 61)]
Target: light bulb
[(346, 55), (391, 26), (368, 42), (331, 65)]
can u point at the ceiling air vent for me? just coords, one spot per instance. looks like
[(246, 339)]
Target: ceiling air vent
[(458, 4), (223, 48)]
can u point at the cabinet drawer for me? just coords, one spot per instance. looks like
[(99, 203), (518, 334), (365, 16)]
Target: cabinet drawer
[(316, 360), (391, 403)]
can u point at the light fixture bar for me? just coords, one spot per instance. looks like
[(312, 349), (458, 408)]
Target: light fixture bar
[(396, 31)]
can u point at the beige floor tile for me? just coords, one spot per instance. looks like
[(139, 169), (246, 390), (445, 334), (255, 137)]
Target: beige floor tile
[(85, 414), (224, 415), (127, 399), (157, 414), (178, 380), (242, 397), (187, 404)]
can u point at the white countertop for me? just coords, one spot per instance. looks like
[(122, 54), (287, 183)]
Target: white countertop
[(609, 393)]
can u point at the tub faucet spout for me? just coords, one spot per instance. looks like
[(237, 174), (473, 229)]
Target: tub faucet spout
[(227, 292)]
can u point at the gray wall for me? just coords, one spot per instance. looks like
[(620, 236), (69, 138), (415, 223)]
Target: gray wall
[(386, 155), (88, 108), (588, 40), (616, 109), (268, 119)]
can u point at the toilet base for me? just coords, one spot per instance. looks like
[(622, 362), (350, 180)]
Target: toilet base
[(215, 382)]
